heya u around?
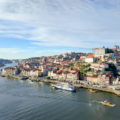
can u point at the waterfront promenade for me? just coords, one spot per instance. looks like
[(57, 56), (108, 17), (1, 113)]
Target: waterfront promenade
[(75, 83), (83, 84)]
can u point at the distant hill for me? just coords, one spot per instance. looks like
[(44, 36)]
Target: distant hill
[(1, 65), (5, 61)]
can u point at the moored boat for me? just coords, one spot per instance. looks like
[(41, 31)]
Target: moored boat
[(91, 90), (106, 103), (53, 87), (66, 86)]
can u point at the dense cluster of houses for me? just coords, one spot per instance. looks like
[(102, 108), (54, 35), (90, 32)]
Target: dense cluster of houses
[(72, 66), (10, 71), (64, 75)]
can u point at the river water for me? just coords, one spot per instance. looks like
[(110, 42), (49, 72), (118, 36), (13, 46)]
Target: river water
[(24, 100)]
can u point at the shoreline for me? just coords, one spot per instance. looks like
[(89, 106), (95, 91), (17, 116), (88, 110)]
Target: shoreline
[(42, 79), (116, 92)]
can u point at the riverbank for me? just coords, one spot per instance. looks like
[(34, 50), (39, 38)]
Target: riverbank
[(117, 92), (19, 77), (11, 77), (77, 83)]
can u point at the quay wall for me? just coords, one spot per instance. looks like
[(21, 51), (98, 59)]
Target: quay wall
[(117, 92), (78, 85)]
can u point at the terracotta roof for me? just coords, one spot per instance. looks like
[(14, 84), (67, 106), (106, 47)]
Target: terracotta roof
[(109, 53), (90, 56), (82, 58)]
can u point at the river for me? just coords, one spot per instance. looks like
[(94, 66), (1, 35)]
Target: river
[(23, 100), (9, 65)]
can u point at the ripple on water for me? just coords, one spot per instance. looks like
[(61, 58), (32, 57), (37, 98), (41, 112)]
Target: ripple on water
[(25, 101)]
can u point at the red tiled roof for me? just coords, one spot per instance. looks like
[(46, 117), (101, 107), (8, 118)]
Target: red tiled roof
[(109, 53), (82, 58), (90, 56)]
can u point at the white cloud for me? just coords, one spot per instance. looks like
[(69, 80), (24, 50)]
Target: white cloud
[(74, 23), (10, 50), (51, 52), (11, 53)]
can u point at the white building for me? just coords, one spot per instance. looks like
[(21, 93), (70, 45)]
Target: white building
[(90, 59), (99, 52), (99, 66)]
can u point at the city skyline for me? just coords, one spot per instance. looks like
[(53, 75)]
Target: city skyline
[(36, 28)]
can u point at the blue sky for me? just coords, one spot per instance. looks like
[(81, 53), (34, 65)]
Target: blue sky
[(31, 28)]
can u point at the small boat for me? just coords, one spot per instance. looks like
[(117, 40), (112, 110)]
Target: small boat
[(106, 103), (53, 87), (91, 90), (66, 86)]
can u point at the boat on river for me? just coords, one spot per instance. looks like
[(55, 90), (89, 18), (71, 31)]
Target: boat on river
[(66, 86), (106, 103), (91, 90)]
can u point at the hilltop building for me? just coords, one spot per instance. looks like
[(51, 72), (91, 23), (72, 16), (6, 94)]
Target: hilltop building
[(100, 52)]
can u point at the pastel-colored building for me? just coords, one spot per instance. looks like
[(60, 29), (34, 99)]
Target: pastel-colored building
[(99, 66), (10, 71), (31, 72)]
